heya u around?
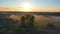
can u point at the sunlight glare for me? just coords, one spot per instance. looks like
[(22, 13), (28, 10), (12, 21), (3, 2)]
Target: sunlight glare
[(26, 7)]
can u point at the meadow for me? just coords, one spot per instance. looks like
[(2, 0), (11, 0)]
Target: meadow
[(10, 23)]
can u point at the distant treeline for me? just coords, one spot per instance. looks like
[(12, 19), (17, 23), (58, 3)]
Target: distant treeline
[(48, 13), (38, 13)]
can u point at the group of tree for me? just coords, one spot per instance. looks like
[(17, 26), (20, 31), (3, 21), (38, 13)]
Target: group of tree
[(27, 22)]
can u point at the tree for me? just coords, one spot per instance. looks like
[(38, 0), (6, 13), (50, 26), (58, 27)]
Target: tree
[(50, 25), (22, 21), (32, 18)]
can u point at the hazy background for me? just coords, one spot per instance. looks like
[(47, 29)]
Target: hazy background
[(36, 5)]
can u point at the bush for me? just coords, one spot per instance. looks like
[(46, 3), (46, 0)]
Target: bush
[(49, 25)]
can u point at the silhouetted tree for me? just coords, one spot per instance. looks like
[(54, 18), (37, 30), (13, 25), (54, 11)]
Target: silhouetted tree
[(22, 21), (50, 25), (32, 18)]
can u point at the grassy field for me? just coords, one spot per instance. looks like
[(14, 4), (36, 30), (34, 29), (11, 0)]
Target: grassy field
[(40, 25)]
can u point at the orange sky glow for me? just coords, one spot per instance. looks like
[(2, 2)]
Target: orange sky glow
[(32, 10), (30, 5)]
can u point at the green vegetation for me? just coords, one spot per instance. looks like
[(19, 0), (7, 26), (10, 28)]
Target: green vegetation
[(26, 26)]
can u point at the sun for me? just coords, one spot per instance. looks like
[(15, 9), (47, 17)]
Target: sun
[(26, 7)]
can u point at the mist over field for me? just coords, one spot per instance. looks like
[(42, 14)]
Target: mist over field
[(29, 16), (41, 20)]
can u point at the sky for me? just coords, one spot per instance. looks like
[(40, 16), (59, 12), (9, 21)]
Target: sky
[(37, 5)]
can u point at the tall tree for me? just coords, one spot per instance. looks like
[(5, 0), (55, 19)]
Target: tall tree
[(22, 21), (32, 18)]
